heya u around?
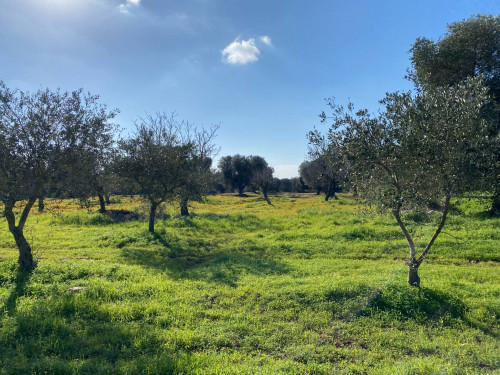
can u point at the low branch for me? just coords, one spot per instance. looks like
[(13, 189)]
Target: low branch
[(9, 215), (438, 230), (411, 244), (25, 213)]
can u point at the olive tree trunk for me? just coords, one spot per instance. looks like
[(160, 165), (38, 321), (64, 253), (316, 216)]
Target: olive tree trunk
[(41, 204), (495, 206), (184, 207), (152, 214), (413, 278), (102, 203), (329, 195), (266, 197), (414, 262), (25, 260)]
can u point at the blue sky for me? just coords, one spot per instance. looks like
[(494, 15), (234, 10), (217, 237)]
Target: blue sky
[(260, 69)]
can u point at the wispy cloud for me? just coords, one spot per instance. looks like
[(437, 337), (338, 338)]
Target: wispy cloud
[(241, 52), (128, 5), (266, 40)]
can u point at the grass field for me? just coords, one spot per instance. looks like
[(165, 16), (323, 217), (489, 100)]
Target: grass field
[(301, 287)]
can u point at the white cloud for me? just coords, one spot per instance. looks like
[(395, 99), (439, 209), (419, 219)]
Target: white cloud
[(128, 5), (266, 40), (241, 52)]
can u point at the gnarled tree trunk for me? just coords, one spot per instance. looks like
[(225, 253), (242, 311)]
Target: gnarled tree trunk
[(184, 207), (266, 197), (495, 206), (102, 203), (152, 215), (25, 260), (329, 195), (41, 205), (413, 278)]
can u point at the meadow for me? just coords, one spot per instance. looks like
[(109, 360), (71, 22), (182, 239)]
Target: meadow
[(301, 287)]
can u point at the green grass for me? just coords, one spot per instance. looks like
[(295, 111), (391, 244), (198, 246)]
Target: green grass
[(304, 286)]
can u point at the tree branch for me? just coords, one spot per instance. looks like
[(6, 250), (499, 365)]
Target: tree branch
[(411, 244), (396, 211), (9, 215), (438, 230), (25, 213)]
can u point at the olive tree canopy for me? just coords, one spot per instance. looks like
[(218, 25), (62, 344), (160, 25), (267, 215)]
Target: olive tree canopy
[(237, 172), (262, 175), (426, 147), (325, 172), (42, 138), (199, 175), (470, 48), (156, 159)]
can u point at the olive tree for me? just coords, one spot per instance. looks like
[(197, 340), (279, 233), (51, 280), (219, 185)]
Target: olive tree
[(262, 175), (237, 172), (156, 159), (324, 172), (310, 172), (94, 171), (43, 136), (426, 147), (198, 176), (470, 48)]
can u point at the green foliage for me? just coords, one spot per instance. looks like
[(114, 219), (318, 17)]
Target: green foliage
[(470, 48)]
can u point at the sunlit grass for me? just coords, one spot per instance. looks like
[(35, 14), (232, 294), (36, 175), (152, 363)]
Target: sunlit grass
[(303, 286)]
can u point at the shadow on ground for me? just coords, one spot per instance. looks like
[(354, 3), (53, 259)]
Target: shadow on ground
[(204, 261), (72, 334), (422, 304), (20, 284)]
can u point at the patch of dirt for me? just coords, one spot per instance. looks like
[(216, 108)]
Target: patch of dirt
[(76, 289), (340, 341)]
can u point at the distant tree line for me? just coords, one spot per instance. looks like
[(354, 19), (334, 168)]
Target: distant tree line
[(239, 173)]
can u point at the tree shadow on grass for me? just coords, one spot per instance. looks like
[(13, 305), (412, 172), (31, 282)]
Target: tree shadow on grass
[(21, 281), (423, 305), (73, 333), (205, 261)]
